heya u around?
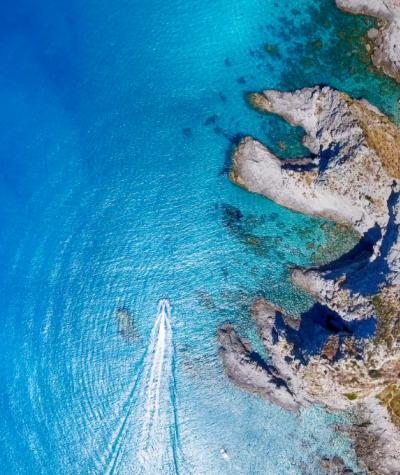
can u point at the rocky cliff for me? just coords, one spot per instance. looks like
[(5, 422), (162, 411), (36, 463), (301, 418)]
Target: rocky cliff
[(345, 352)]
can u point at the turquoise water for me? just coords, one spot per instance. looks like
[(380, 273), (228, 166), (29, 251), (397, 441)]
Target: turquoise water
[(117, 120)]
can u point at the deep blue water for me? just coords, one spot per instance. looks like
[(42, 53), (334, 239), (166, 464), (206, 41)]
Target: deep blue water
[(116, 123)]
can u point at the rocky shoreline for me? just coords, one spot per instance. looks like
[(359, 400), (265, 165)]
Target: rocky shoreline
[(344, 353), (383, 42)]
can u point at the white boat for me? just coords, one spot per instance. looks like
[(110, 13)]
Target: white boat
[(224, 454)]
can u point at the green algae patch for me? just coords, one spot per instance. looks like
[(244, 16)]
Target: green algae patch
[(317, 43), (351, 396)]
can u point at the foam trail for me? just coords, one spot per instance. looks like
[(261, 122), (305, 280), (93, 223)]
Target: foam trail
[(149, 405), (156, 443)]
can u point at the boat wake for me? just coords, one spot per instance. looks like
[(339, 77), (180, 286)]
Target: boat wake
[(150, 406), (157, 441)]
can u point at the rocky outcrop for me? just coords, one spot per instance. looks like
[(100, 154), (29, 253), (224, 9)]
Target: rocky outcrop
[(342, 369), (343, 372), (248, 370), (355, 156), (350, 177), (335, 466), (344, 353), (376, 439), (383, 41)]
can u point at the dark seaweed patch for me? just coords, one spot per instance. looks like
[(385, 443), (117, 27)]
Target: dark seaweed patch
[(244, 229), (211, 120), (187, 132)]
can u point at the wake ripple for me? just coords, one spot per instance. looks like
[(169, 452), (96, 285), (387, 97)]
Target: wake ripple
[(151, 402)]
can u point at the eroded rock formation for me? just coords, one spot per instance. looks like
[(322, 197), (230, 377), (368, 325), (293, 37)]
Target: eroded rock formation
[(384, 41), (345, 352), (351, 177)]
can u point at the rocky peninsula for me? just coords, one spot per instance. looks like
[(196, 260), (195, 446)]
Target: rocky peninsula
[(384, 41), (344, 353), (350, 177)]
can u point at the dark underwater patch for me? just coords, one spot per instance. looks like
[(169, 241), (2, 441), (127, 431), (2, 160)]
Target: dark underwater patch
[(187, 132), (126, 325)]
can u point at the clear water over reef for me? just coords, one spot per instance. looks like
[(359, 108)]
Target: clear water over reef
[(117, 119)]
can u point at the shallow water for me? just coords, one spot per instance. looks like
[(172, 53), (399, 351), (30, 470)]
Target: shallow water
[(117, 119)]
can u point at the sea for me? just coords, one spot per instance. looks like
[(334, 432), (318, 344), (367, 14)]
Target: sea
[(124, 246)]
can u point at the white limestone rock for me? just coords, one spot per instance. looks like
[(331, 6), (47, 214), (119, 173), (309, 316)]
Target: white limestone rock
[(352, 177), (386, 39), (248, 371)]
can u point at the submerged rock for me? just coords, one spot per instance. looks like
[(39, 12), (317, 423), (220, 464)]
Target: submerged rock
[(384, 41), (126, 325)]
